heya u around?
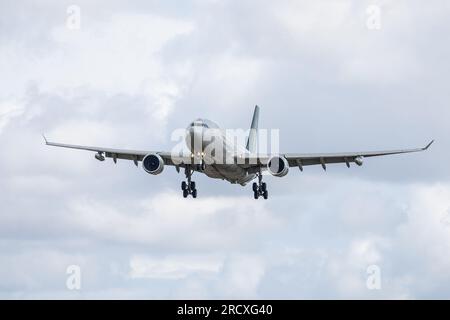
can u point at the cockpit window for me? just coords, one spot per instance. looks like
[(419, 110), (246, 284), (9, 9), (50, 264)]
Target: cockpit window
[(199, 124), (205, 123)]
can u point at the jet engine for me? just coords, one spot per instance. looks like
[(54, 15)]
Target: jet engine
[(278, 166), (153, 163)]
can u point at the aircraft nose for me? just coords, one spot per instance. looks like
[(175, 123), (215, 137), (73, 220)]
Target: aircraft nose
[(194, 131), (195, 138), (198, 134)]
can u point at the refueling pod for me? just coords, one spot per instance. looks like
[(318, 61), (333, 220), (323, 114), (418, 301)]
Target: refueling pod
[(359, 161)]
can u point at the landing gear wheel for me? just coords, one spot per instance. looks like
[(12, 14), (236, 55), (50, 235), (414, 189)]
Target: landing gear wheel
[(263, 187), (188, 186), (260, 188)]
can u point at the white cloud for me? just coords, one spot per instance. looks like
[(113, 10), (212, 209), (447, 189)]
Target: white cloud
[(117, 54), (9, 109), (166, 220), (342, 39), (241, 276)]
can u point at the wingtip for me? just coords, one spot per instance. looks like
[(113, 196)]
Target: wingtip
[(428, 145), (45, 139)]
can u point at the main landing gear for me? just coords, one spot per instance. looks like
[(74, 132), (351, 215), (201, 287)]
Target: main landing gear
[(260, 188), (188, 186)]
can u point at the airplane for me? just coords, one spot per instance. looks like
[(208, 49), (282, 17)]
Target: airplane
[(245, 165)]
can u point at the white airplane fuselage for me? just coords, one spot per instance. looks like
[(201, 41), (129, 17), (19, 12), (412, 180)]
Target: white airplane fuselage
[(203, 134)]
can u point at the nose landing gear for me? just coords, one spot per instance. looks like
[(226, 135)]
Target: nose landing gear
[(188, 186), (260, 188), (202, 166)]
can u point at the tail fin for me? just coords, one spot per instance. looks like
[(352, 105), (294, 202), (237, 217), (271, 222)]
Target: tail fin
[(252, 140)]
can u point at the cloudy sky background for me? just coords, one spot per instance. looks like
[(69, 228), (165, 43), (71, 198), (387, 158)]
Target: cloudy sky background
[(136, 71)]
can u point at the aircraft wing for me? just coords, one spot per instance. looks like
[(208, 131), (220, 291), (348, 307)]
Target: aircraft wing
[(307, 159), (134, 155)]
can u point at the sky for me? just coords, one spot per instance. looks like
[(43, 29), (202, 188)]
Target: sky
[(330, 75)]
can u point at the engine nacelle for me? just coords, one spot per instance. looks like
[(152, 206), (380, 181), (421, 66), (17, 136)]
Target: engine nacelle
[(278, 166), (153, 163)]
